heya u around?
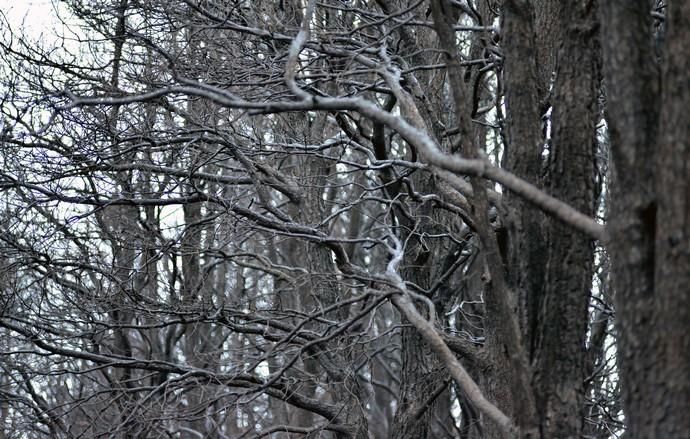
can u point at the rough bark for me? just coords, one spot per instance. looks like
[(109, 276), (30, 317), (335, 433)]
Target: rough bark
[(524, 145), (549, 35), (670, 379), (649, 224), (559, 357)]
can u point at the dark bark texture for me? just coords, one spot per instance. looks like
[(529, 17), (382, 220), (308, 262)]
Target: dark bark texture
[(650, 210)]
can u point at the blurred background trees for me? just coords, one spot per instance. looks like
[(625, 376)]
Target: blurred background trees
[(365, 219)]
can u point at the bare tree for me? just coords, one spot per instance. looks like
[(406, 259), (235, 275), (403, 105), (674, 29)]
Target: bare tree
[(367, 218)]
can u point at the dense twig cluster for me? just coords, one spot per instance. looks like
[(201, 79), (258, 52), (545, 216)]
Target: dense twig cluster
[(268, 219)]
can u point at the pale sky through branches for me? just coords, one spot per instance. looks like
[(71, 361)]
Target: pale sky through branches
[(35, 16)]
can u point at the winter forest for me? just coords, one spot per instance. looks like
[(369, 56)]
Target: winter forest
[(345, 219)]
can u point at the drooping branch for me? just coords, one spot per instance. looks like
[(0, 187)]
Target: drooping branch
[(469, 387)]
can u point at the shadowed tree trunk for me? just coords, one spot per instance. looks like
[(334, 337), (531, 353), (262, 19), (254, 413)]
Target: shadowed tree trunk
[(561, 326), (649, 223)]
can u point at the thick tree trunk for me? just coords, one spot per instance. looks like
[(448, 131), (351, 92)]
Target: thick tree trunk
[(526, 248), (560, 353), (671, 377), (549, 265), (649, 225)]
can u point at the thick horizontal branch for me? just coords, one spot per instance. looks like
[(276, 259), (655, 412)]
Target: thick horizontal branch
[(413, 135)]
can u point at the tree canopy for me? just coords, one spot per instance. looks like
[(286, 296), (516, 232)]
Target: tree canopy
[(346, 219)]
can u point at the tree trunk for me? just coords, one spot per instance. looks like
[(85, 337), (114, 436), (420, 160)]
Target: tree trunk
[(649, 225)]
